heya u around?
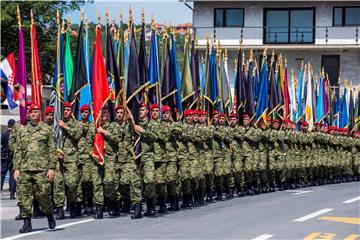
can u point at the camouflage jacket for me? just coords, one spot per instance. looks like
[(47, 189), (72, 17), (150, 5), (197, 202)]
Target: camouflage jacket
[(71, 136)]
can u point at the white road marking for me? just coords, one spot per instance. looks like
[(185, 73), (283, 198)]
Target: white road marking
[(352, 200), (298, 192), (263, 237), (46, 230), (314, 214), (303, 192)]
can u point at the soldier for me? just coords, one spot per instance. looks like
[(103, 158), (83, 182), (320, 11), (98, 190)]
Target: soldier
[(171, 156), (148, 136), (130, 177), (34, 167), (85, 193), (110, 178), (237, 159), (274, 155), (70, 160), (49, 116)]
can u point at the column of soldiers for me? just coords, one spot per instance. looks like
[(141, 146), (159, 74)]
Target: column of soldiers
[(162, 161)]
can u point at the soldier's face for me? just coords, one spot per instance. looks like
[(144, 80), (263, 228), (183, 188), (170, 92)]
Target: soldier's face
[(202, 119), (27, 114), (67, 113), (35, 115), (105, 116), (143, 112), (233, 122), (155, 113), (120, 113), (246, 121), (188, 118), (196, 118), (85, 114), (49, 118), (222, 120), (275, 125), (167, 116)]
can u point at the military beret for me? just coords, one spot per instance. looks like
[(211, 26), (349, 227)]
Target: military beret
[(245, 115), (155, 105), (196, 112), (29, 103), (119, 107), (275, 120), (188, 112), (49, 109), (67, 105), (222, 115), (202, 112), (216, 112), (34, 107), (166, 108), (305, 124), (233, 115), (84, 107), (143, 105)]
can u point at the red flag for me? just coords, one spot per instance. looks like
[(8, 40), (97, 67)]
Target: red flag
[(36, 76), (286, 94), (101, 94)]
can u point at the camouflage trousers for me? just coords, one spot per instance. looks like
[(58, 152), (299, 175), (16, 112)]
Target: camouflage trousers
[(71, 180), (148, 177), (85, 187), (111, 179), (172, 178), (130, 182), (238, 170), (97, 182), (184, 174), (58, 185), (160, 179), (34, 183)]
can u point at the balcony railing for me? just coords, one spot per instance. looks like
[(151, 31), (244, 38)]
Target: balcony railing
[(318, 35)]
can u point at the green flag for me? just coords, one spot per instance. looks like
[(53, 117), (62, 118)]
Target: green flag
[(187, 89), (69, 65)]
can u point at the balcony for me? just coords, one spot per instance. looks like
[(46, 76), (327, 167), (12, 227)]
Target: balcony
[(299, 37)]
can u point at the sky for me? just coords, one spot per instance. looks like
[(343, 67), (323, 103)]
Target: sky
[(163, 10)]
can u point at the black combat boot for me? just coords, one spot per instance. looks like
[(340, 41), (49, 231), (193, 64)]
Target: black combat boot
[(51, 221), (126, 206), (137, 211), (184, 203), (78, 210), (98, 212), (190, 201), (26, 227), (72, 208), (201, 196), (219, 193), (150, 208), (162, 204), (60, 213), (12, 196), (209, 196), (114, 209), (195, 196), (88, 208), (231, 192), (36, 209)]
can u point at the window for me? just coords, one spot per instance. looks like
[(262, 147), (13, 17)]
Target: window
[(346, 16), (289, 25), (331, 65), (229, 17)]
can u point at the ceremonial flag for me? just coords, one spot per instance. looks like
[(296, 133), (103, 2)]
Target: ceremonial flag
[(286, 94), (250, 95), (68, 65), (20, 76), (154, 71), (357, 111), (101, 94), (226, 94), (300, 93), (195, 74), (351, 110), (309, 102), (36, 76), (320, 113), (143, 65), (120, 61), (187, 88), (344, 111), (263, 101), (7, 67), (168, 87), (273, 92), (176, 70)]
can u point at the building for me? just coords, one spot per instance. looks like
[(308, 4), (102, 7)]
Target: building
[(326, 33)]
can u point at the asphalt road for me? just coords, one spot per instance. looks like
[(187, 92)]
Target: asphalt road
[(324, 212)]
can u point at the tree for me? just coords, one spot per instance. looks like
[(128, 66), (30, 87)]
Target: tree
[(46, 30)]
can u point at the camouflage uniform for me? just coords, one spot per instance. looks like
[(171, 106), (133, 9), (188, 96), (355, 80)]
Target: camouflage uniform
[(248, 147), (237, 158), (35, 154), (209, 160), (275, 157)]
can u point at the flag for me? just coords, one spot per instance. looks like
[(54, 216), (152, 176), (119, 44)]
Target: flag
[(168, 87), (357, 111), (20, 76), (195, 74), (226, 94), (336, 111), (320, 112), (176, 70), (154, 71), (300, 94), (263, 101), (293, 106), (241, 90), (7, 68), (134, 88), (111, 67), (187, 88), (85, 91), (344, 111), (36, 75), (58, 85), (309, 101), (101, 93), (351, 110), (274, 103), (120, 61), (68, 65), (286, 94), (79, 80), (250, 95)]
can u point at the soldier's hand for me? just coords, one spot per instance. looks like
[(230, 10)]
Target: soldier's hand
[(101, 130), (61, 155), (62, 124), (51, 175), (16, 174), (138, 129)]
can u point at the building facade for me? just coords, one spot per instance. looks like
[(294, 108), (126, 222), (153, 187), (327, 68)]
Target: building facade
[(324, 33)]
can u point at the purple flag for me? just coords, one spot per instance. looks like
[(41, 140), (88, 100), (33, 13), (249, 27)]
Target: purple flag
[(20, 79)]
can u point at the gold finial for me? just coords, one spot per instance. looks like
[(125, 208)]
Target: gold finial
[(31, 16), (196, 42), (265, 52), (113, 22), (130, 14), (235, 64), (86, 22), (171, 28), (272, 56), (107, 16), (82, 15), (152, 20), (351, 84), (57, 16), (302, 64), (164, 30), (18, 15), (121, 16), (225, 54), (285, 62), (99, 17), (63, 26), (251, 55), (292, 70), (143, 15), (68, 23)]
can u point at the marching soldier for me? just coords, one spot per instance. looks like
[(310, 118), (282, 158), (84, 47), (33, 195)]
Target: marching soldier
[(34, 167)]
